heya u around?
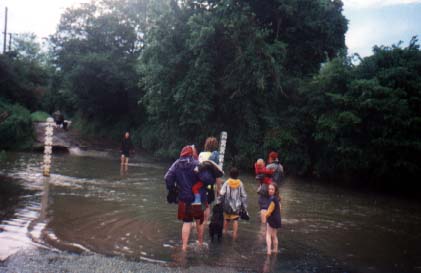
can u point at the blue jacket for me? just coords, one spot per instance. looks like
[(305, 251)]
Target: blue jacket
[(183, 174)]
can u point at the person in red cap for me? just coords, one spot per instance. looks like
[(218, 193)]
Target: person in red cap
[(275, 165), (180, 178), (264, 177)]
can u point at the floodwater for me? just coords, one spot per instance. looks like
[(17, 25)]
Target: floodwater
[(89, 204)]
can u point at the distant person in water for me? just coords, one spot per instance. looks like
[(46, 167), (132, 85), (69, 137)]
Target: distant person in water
[(125, 148), (58, 118)]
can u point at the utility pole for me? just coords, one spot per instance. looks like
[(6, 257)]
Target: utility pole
[(5, 31), (10, 41)]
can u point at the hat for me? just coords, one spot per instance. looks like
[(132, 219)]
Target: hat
[(273, 155), (186, 151)]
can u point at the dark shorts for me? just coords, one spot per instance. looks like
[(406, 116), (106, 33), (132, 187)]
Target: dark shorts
[(274, 222), (263, 202), (125, 153), (187, 212)]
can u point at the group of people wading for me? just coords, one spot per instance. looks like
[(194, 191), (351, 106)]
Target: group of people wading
[(193, 178)]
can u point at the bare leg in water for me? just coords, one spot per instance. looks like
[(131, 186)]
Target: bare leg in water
[(124, 160), (200, 231), (271, 238), (234, 229), (185, 234)]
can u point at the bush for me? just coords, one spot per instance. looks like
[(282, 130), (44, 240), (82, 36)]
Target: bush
[(16, 130), (39, 116)]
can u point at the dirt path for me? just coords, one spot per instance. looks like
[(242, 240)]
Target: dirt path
[(66, 139)]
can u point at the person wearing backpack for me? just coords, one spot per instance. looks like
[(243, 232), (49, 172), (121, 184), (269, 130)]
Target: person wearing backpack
[(210, 152), (275, 165), (264, 177), (179, 179), (234, 198)]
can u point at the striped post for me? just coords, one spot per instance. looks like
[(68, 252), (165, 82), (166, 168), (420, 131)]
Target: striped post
[(48, 146), (222, 146)]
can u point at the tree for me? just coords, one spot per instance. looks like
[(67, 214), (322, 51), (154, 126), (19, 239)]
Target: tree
[(366, 118), (219, 63), (96, 48), (23, 72)]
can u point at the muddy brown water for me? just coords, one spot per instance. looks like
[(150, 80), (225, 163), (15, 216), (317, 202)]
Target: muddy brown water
[(90, 205)]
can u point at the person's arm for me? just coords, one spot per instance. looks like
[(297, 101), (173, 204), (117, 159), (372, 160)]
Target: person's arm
[(223, 189), (271, 208), (170, 178), (243, 196), (267, 171), (280, 203), (281, 168), (222, 192)]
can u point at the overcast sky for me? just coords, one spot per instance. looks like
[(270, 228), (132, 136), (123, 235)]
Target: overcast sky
[(371, 22)]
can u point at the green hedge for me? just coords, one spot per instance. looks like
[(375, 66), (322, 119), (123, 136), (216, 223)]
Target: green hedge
[(39, 116), (16, 131)]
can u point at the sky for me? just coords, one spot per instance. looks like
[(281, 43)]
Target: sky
[(371, 22)]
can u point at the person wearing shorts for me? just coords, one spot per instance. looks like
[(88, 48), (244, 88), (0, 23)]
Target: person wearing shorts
[(125, 148), (234, 197), (181, 177)]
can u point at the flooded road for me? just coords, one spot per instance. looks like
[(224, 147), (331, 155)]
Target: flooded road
[(90, 205)]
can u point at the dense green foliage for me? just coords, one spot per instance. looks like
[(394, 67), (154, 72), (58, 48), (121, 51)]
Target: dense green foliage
[(96, 48), (225, 64), (273, 74), (365, 120), (16, 129), (23, 79)]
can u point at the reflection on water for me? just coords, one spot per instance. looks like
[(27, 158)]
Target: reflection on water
[(92, 204), (19, 215)]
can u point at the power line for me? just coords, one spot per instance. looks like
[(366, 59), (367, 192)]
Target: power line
[(5, 30)]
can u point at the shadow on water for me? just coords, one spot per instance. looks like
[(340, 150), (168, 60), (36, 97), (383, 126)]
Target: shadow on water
[(90, 204)]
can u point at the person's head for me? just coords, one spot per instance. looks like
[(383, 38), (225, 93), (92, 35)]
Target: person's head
[(211, 144), (273, 156), (260, 163), (126, 135), (234, 173), (273, 190), (189, 150)]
